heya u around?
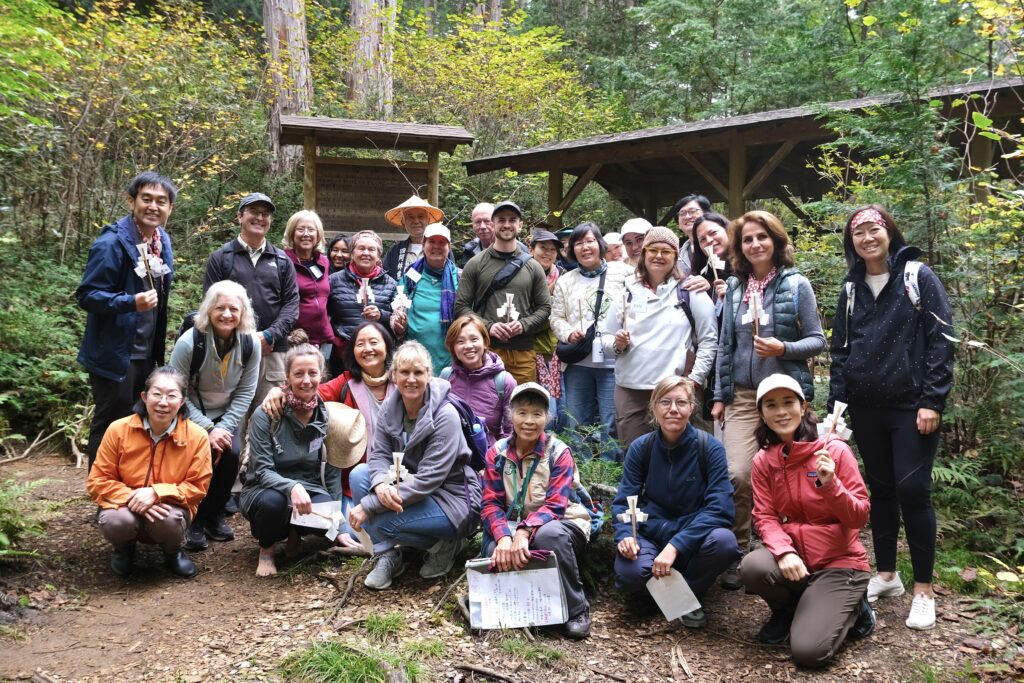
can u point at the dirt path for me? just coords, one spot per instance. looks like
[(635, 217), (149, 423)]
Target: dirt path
[(84, 624)]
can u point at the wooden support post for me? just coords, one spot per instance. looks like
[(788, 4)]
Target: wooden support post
[(737, 175), (554, 216), (577, 187), (714, 182), (651, 206), (309, 173), (762, 173), (980, 151), (433, 175)]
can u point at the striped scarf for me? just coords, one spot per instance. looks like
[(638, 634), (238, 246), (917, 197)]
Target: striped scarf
[(448, 287)]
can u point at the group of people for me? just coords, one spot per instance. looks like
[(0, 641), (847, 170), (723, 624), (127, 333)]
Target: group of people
[(560, 351)]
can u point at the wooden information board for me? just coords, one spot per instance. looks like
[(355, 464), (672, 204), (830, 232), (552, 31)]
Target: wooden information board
[(353, 194)]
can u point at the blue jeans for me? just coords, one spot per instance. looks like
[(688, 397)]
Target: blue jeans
[(718, 551), (420, 525), (590, 400)]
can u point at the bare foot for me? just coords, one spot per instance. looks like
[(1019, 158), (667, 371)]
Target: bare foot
[(294, 546), (266, 566)]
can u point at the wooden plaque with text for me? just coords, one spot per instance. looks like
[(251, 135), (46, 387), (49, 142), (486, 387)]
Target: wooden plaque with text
[(353, 194)]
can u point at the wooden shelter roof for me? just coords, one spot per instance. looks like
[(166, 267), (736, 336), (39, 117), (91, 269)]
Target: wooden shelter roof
[(732, 159), (360, 134)]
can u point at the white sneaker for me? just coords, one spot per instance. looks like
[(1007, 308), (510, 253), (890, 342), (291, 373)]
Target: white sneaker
[(922, 613), (880, 588), (389, 565)]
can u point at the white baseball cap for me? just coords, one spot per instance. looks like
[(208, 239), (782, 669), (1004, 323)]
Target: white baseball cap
[(778, 381), (635, 226), (437, 230), (613, 238)]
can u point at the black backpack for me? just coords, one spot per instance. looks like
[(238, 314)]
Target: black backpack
[(199, 351)]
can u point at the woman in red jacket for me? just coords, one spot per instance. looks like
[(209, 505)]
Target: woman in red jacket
[(809, 506)]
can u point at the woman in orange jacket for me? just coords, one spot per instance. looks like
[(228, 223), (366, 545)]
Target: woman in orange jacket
[(809, 506), (151, 472)]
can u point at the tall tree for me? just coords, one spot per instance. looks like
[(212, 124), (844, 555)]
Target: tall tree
[(284, 23), (370, 85)]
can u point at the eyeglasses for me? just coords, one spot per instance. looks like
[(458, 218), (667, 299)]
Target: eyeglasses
[(158, 397), (668, 403), (690, 213), (660, 253)]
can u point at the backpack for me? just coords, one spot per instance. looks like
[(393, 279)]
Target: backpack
[(910, 286), (683, 302), (199, 352), (499, 382), (473, 429)]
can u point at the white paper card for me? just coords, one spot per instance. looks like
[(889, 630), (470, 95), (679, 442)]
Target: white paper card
[(673, 595), (531, 597), (364, 539), (322, 516)]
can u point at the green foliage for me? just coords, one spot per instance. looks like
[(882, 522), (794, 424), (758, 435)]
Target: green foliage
[(340, 662), (418, 650), (28, 51), (381, 627), (538, 653), (18, 518)]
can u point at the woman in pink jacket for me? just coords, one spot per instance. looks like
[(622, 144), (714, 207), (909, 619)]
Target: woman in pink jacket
[(809, 506)]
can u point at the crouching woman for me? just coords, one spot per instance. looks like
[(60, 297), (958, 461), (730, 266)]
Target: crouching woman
[(526, 505), (809, 506), (151, 472), (436, 503), (681, 478)]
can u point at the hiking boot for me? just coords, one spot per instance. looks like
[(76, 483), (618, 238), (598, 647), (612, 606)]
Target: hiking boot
[(880, 588), (123, 559), (440, 560), (695, 619), (578, 627), (730, 578), (775, 631), (219, 530), (389, 565), (922, 613), (865, 623), (195, 539), (179, 564)]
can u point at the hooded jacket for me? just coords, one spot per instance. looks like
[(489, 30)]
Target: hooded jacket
[(685, 500), (313, 293), (793, 515), (345, 307), (107, 293), (178, 467), (886, 353), (478, 388), (436, 456)]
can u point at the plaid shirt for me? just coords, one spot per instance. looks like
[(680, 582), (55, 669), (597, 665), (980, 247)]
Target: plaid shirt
[(496, 500)]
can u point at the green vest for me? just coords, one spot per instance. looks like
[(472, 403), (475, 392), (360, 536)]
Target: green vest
[(786, 317)]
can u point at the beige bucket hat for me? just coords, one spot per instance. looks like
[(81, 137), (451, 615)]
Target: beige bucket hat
[(394, 216), (346, 435)]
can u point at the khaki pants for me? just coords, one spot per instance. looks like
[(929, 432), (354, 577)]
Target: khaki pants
[(741, 420), (632, 414), (824, 605), (122, 526), (520, 364), (271, 375)]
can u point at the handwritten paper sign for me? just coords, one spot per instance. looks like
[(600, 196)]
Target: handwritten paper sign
[(530, 597)]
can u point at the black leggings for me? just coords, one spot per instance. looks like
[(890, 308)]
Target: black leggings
[(898, 462), (270, 517), (224, 473)]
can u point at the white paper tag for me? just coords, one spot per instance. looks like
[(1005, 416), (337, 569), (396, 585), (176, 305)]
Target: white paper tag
[(673, 595)]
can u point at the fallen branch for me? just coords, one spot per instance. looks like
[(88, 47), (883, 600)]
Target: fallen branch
[(484, 671), (351, 622), (363, 569), (463, 604), (28, 451), (329, 579), (614, 677), (444, 596)]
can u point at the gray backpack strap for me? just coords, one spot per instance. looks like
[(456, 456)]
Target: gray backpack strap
[(499, 386), (446, 373)]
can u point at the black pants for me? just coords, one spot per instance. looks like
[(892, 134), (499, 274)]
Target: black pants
[(898, 463), (270, 517), (224, 473), (114, 400)]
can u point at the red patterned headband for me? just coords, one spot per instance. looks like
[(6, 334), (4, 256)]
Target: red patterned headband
[(867, 216)]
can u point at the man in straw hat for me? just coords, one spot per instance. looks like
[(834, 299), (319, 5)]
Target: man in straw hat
[(413, 215)]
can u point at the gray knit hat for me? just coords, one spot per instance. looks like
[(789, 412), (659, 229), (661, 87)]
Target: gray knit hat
[(663, 235)]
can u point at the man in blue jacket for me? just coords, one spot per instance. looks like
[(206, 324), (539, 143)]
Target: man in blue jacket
[(124, 292)]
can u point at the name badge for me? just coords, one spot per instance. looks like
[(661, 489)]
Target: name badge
[(316, 443), (316, 272), (813, 473), (413, 275)]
